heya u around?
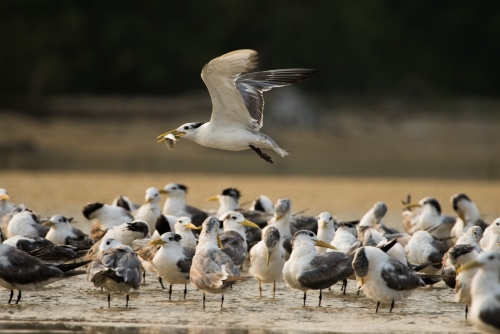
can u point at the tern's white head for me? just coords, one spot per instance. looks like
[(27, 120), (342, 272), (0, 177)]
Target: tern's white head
[(465, 208), (110, 243), (152, 195), (229, 200), (235, 221), (326, 221), (430, 204), (282, 208), (264, 204), (489, 261), (308, 239), (184, 223), (57, 221), (495, 226), (4, 196), (188, 130), (174, 190), (210, 232), (167, 240)]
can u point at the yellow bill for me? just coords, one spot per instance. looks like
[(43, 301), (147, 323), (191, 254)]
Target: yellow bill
[(176, 134), (411, 205), (49, 223), (249, 223), (324, 244), (156, 242), (219, 242), (267, 260), (471, 265), (194, 227), (4, 197), (212, 198)]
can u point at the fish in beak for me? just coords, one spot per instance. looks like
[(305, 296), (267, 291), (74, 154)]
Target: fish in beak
[(175, 133), (194, 227), (320, 243), (412, 205), (156, 242), (212, 198), (249, 223)]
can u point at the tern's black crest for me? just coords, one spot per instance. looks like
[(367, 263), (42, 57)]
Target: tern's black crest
[(434, 203), (360, 263), (183, 187), (457, 198), (162, 225), (271, 237), (233, 192), (302, 232), (456, 251), (258, 205), (123, 203), (197, 125), (380, 209), (349, 227), (177, 237), (138, 226), (90, 208)]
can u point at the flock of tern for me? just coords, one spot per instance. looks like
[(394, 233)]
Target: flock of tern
[(214, 250)]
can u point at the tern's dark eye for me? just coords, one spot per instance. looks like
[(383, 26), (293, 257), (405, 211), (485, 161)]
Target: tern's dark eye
[(174, 188), (186, 127), (490, 257), (60, 220), (233, 218), (170, 238), (311, 235)]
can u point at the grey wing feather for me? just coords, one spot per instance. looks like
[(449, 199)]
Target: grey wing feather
[(490, 315), (206, 269), (41, 230), (300, 222), (326, 270), (25, 269), (123, 266), (80, 239), (437, 257), (197, 216), (398, 276), (252, 85), (185, 264), (233, 245)]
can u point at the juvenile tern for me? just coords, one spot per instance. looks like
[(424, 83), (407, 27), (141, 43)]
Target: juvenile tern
[(267, 259), (175, 205), (212, 270), (485, 292), (173, 261), (373, 219), (150, 210), (62, 233), (468, 215), (383, 278), (106, 217), (307, 270), (238, 104), (116, 269), (233, 238), (20, 271)]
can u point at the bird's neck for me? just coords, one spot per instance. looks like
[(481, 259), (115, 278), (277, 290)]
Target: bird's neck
[(207, 242), (227, 203), (368, 219), (174, 206), (485, 283), (326, 234), (303, 251), (471, 212), (282, 224)]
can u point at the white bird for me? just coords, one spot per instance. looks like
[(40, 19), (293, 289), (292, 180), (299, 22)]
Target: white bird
[(264, 204), (491, 237), (126, 203), (150, 210), (468, 215), (281, 220), (173, 261), (176, 206), (472, 237), (422, 248), (458, 256), (267, 259), (106, 217), (307, 270), (485, 292), (374, 238), (373, 219), (431, 219), (5, 205), (24, 223), (238, 104), (346, 238), (116, 269), (326, 229), (383, 278), (212, 270), (62, 233), (20, 271), (233, 239)]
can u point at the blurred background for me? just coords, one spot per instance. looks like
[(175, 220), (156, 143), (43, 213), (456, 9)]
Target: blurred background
[(407, 88)]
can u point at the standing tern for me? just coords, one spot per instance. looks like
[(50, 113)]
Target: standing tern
[(326, 229), (307, 270), (150, 210), (233, 238), (485, 292), (267, 259), (175, 205), (238, 104), (468, 215)]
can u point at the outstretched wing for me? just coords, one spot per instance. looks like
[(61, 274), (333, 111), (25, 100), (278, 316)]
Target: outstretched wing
[(253, 85), (326, 270), (219, 76), (398, 276)]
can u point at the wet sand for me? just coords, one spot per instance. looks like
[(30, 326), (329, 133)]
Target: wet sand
[(74, 305)]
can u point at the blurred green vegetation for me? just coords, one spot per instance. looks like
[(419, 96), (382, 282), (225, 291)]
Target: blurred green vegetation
[(405, 48)]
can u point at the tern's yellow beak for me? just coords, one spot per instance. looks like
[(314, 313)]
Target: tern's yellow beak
[(471, 265), (412, 205), (324, 244), (249, 223), (163, 191), (176, 133), (156, 242), (194, 227), (212, 198), (267, 260), (4, 197), (219, 241), (148, 200), (461, 215), (49, 223), (458, 269)]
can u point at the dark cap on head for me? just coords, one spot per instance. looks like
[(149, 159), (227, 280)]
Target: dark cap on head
[(233, 192), (457, 198), (90, 208)]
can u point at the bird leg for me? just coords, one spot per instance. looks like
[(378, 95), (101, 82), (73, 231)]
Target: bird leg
[(11, 295), (18, 297), (222, 301), (170, 293), (359, 289), (274, 288), (378, 304), (161, 282), (344, 284), (392, 306), (329, 288), (466, 310), (185, 290), (304, 299), (109, 300), (126, 304), (262, 155), (144, 277), (203, 300), (260, 289), (320, 297)]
